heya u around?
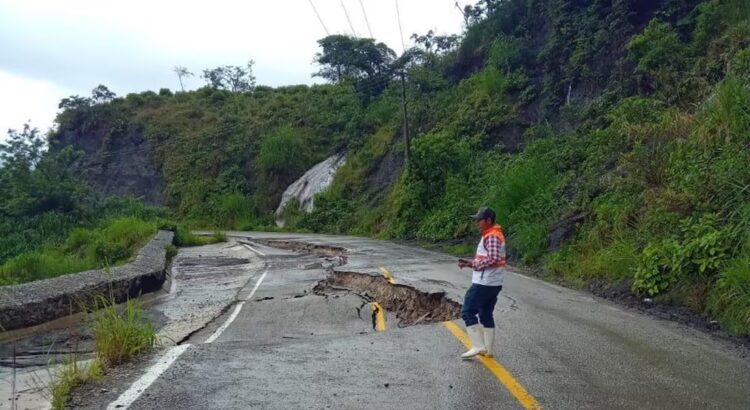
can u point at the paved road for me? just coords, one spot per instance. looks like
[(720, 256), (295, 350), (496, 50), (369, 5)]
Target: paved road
[(286, 347)]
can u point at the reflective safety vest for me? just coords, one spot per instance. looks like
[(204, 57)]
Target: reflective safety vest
[(491, 275)]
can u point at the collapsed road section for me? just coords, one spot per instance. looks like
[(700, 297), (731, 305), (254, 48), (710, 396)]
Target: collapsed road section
[(410, 305)]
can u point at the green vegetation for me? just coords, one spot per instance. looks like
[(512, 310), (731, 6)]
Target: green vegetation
[(610, 137), (114, 242), (121, 333), (69, 375)]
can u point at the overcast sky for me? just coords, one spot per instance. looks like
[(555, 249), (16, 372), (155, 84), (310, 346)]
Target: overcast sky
[(52, 49)]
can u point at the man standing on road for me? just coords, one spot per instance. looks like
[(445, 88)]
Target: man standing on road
[(486, 283)]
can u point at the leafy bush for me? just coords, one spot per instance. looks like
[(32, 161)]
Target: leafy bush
[(701, 251), (730, 298)]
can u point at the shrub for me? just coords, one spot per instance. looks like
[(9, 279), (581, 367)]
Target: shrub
[(283, 152), (729, 300), (700, 252), (120, 334)]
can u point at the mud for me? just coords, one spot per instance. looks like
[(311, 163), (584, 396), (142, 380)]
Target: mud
[(306, 248), (410, 305)]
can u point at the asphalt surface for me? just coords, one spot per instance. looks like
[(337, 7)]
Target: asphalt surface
[(291, 348)]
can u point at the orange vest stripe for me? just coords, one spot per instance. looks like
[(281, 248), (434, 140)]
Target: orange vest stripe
[(497, 231)]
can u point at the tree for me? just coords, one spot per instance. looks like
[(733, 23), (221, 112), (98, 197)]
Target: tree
[(441, 43), (101, 95), (350, 57), (182, 72), (231, 78), (23, 149), (37, 180), (74, 102)]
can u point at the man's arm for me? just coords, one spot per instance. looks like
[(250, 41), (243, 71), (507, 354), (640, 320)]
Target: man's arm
[(493, 245)]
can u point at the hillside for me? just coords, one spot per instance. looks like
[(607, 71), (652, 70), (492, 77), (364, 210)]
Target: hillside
[(610, 136)]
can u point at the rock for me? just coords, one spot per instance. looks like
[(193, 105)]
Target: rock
[(313, 182)]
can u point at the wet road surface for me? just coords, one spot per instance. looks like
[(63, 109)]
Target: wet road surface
[(284, 345)]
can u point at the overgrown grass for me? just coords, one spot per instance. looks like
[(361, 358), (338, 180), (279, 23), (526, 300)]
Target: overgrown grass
[(121, 333), (38, 265), (729, 300), (115, 242), (71, 374), (184, 237)]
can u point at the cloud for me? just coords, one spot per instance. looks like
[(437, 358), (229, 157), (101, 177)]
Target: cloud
[(69, 47), (26, 100)]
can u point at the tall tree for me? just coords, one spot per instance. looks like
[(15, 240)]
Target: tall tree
[(182, 72), (101, 94)]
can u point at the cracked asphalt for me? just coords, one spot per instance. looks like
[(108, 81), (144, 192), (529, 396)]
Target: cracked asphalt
[(291, 348)]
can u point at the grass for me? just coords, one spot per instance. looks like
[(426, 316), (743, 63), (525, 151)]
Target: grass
[(115, 242), (462, 249), (121, 333), (41, 264), (185, 237), (729, 300), (70, 375)]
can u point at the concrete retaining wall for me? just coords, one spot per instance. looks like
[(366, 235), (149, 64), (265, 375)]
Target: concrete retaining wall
[(34, 303)]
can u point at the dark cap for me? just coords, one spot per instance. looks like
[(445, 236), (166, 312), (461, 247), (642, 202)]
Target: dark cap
[(484, 213)]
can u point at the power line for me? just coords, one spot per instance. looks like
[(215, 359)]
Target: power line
[(400, 30), (346, 13), (319, 18), (362, 6)]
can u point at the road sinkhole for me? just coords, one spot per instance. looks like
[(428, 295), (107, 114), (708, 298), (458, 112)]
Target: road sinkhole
[(411, 306)]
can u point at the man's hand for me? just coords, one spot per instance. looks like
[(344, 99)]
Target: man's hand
[(463, 263)]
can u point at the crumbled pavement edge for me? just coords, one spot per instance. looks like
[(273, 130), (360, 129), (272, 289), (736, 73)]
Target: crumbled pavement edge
[(34, 303)]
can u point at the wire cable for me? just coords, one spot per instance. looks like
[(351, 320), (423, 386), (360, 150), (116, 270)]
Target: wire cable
[(362, 6), (400, 30), (346, 13), (319, 18)]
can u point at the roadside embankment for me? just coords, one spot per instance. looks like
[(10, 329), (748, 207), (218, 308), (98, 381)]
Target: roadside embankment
[(33, 303)]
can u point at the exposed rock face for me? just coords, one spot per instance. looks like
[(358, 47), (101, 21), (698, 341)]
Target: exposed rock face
[(121, 166), (314, 181)]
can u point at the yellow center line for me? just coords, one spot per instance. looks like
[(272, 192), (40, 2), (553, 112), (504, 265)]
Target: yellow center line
[(387, 275), (514, 387), (379, 313)]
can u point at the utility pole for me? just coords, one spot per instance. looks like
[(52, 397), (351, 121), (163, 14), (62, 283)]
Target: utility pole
[(406, 119)]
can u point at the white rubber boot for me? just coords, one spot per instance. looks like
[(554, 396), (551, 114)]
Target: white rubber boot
[(489, 339), (477, 342)]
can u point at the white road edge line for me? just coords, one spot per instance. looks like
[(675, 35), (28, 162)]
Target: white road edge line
[(136, 389), (236, 311), (254, 250)]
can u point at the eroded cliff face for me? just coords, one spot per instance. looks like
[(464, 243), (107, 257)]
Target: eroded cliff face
[(117, 165)]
